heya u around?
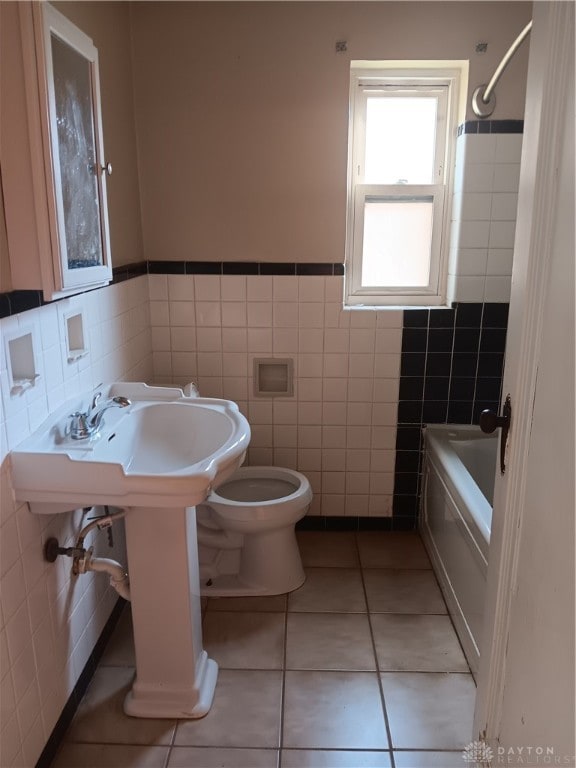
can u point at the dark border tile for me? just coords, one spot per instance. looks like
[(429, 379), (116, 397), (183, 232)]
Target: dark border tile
[(412, 364), (409, 412), (495, 315), (22, 301), (203, 267), (438, 364), (5, 308), (435, 412), (440, 339), (166, 267), (442, 318), (468, 315), (411, 388), (414, 340), (416, 318), (339, 269), (507, 126), (240, 268), (436, 388), (407, 461), (314, 269), (408, 438), (459, 412)]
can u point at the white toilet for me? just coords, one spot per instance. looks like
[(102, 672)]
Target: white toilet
[(246, 539)]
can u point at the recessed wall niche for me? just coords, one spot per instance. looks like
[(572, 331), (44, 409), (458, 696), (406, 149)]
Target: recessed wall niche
[(21, 360)]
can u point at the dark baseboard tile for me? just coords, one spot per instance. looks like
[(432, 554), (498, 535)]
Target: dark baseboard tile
[(334, 523), (59, 730), (491, 126)]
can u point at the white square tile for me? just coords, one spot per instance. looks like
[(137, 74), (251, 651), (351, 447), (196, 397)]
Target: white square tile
[(285, 436), (285, 288), (356, 505), (234, 339), (184, 364), (259, 288), (504, 206), (480, 148), (359, 414), (311, 288), (497, 289), (506, 177), (159, 313), (358, 437), (388, 340), (181, 287), (387, 366), (235, 364), (333, 482), (471, 261), (333, 459), (209, 363), (383, 438), (260, 412), (208, 339), (233, 287), (309, 390), (207, 287), (382, 483), (384, 414), (357, 460), (286, 457), (285, 412), (386, 390), (362, 318), (478, 177), (259, 314), (261, 436), (311, 315), (285, 340), (468, 289), (508, 147), (234, 314), (361, 366), (362, 340), (260, 340), (309, 436), (473, 234), (332, 414), (502, 234), (235, 388), (380, 506), (334, 390), (333, 436), (311, 340), (476, 206), (336, 340), (309, 413), (360, 390), (500, 261), (335, 365), (332, 504), (208, 313), (382, 460), (334, 289), (285, 314), (309, 459), (182, 313), (158, 287)]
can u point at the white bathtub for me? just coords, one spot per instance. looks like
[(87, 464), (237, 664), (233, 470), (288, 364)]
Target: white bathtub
[(457, 493)]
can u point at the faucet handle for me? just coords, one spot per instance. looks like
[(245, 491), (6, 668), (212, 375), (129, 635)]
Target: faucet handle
[(95, 399), (79, 428)]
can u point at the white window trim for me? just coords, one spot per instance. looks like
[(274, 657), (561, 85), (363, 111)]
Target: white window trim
[(366, 76)]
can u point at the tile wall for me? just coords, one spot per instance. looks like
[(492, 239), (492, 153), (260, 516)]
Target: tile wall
[(340, 426), (49, 623), (484, 210)]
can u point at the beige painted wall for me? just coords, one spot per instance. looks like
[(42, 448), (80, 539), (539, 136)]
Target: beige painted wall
[(242, 110), (108, 24)]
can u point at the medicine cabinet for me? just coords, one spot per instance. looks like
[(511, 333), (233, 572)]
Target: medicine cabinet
[(53, 164)]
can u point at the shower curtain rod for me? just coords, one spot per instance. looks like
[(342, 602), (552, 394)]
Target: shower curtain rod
[(483, 99)]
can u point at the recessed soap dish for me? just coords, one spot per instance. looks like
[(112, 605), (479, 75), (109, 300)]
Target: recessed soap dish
[(21, 360), (273, 377), (74, 332)]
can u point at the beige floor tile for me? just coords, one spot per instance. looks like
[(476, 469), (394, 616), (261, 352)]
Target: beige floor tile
[(417, 643), (120, 649), (333, 710), (329, 589), (245, 640), (213, 757), (392, 549), (308, 758), (245, 713), (329, 641), (429, 710), (328, 549), (429, 760), (100, 718), (111, 756), (275, 603), (403, 591)]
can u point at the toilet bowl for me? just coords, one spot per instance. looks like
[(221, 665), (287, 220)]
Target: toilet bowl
[(246, 539)]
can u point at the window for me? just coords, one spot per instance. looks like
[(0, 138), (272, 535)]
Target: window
[(402, 130)]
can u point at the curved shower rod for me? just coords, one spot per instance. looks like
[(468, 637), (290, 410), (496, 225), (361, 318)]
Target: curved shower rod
[(483, 98)]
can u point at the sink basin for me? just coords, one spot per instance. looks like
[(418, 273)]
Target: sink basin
[(164, 450)]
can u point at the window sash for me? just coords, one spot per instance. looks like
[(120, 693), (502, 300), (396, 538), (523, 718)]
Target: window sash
[(359, 294)]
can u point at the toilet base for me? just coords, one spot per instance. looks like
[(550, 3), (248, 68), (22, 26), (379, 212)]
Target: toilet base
[(269, 564)]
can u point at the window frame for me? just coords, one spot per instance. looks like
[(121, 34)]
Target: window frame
[(369, 78)]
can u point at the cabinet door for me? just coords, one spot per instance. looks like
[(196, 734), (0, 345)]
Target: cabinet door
[(76, 157)]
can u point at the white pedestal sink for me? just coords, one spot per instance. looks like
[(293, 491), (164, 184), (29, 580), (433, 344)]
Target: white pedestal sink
[(156, 459)]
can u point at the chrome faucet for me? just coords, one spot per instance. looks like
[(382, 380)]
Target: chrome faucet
[(87, 424)]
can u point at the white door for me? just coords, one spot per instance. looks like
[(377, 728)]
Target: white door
[(525, 702)]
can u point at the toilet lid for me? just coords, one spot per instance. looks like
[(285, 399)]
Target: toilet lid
[(257, 489)]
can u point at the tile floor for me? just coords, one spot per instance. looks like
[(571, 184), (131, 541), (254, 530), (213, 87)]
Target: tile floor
[(359, 668)]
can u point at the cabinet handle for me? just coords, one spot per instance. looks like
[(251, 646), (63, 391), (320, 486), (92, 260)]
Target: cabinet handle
[(107, 169)]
